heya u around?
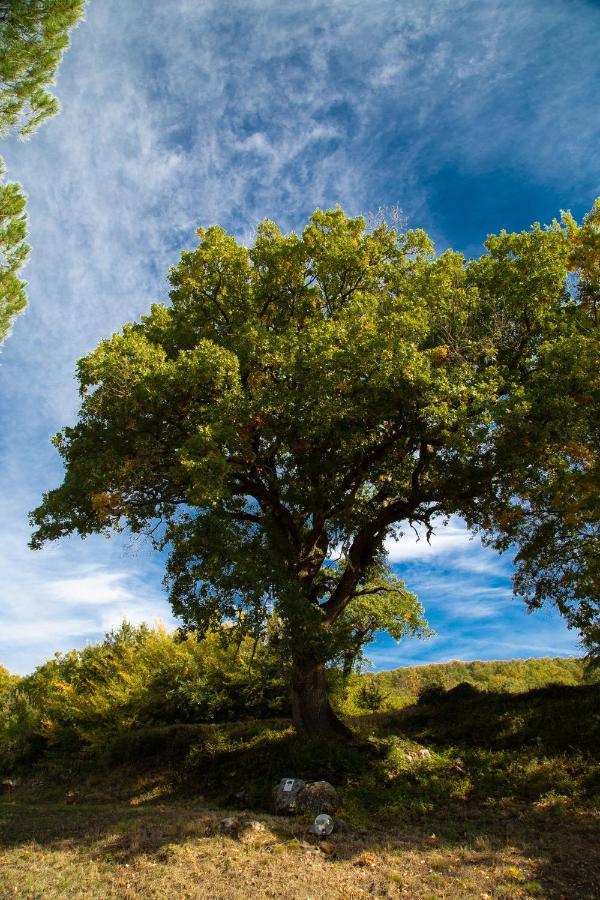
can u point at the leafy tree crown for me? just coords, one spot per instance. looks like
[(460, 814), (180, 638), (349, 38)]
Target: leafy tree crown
[(301, 399)]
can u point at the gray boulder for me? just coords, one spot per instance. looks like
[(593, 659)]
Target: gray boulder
[(318, 797), (285, 796), (292, 795)]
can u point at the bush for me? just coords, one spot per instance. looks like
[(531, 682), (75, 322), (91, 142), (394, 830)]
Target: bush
[(407, 685), (117, 695), (371, 696), (136, 678)]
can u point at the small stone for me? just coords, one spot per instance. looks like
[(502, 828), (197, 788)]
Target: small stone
[(326, 847), (229, 825)]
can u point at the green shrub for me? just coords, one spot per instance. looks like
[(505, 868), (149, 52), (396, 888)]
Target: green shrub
[(411, 684), (131, 695), (371, 696), (137, 677)]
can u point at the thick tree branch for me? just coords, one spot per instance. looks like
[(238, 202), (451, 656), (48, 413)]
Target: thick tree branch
[(270, 503), (361, 553)]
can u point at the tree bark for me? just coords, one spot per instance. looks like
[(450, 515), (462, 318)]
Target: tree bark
[(312, 714)]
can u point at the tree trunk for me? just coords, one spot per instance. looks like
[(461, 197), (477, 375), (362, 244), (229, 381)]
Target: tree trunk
[(312, 713)]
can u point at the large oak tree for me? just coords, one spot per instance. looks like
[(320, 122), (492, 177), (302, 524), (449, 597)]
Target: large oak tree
[(303, 399)]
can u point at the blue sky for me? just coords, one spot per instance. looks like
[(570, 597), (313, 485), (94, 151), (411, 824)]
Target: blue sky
[(471, 116)]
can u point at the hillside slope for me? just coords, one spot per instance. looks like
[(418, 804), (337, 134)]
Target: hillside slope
[(401, 687)]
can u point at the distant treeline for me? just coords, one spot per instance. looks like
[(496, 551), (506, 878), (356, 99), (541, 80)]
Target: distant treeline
[(84, 700), (401, 687)]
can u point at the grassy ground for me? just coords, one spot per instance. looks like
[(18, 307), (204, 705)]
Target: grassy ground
[(159, 850), (468, 795)]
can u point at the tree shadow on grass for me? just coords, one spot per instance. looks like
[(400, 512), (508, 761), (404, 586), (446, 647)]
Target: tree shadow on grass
[(470, 781), (556, 718)]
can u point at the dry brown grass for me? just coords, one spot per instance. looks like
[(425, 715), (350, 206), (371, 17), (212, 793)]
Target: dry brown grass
[(444, 805), (101, 850)]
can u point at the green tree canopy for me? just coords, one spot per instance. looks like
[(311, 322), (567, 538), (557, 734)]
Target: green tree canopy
[(305, 398), (34, 34), (13, 252), (33, 37), (551, 508), (382, 605)]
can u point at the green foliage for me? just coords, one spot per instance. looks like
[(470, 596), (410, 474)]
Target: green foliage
[(464, 748), (371, 695), (309, 395), (431, 693), (19, 721), (13, 252), (539, 746), (6, 680), (382, 605), (490, 749), (240, 764), (427, 684), (550, 509), (85, 699), (556, 717), (33, 37), (141, 691)]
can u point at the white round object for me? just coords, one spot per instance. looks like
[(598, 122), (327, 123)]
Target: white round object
[(323, 824)]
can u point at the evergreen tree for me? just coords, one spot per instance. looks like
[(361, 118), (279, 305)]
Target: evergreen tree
[(13, 252), (33, 37)]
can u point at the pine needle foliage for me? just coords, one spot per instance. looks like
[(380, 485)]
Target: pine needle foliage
[(13, 252), (34, 34)]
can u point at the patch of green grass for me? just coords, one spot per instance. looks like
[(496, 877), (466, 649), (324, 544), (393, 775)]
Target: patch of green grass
[(424, 758), (424, 762), (555, 718), (533, 889)]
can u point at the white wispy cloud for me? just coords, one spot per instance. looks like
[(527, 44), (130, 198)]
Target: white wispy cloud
[(67, 594)]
